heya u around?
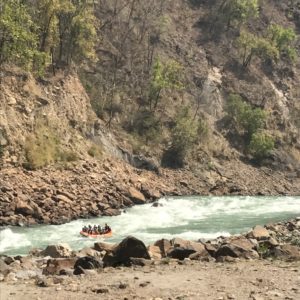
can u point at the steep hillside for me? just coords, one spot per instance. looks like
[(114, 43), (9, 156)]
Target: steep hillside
[(170, 105)]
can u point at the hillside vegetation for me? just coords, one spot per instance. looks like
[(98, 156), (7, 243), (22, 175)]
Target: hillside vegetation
[(187, 83)]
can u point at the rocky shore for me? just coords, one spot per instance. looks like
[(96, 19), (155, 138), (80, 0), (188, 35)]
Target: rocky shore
[(268, 259), (92, 188)]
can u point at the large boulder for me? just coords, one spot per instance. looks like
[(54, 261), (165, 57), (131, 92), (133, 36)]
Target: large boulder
[(28, 208), (86, 263), (154, 252), (287, 252), (136, 196), (164, 245), (180, 253), (57, 251), (129, 247), (23, 208), (202, 255), (108, 247), (259, 233), (87, 252), (4, 268), (58, 265), (234, 250)]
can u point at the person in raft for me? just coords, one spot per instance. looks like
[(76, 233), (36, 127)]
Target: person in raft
[(107, 229), (96, 229)]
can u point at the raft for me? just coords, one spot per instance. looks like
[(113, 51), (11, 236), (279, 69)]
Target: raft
[(104, 235)]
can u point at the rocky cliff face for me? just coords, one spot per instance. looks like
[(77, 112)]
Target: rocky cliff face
[(91, 163)]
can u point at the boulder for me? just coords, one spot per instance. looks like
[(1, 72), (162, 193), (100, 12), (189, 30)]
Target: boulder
[(233, 250), (136, 196), (23, 208), (4, 268), (86, 263), (154, 252), (87, 252), (63, 198), (259, 233), (142, 262), (289, 252), (57, 251), (201, 256), (129, 247), (58, 265), (180, 253), (108, 247), (211, 249), (178, 242), (164, 246)]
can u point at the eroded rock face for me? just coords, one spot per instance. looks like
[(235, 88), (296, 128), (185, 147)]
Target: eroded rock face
[(129, 247)]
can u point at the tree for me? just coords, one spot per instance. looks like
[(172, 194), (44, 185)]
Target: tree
[(248, 120), (283, 39), (18, 35), (251, 45), (183, 135), (164, 76), (261, 145), (237, 12)]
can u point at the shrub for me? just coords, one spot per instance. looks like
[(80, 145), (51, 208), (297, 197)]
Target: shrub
[(248, 120), (42, 148), (284, 40), (261, 145), (183, 135), (147, 126), (67, 156), (95, 151), (237, 12), (166, 75)]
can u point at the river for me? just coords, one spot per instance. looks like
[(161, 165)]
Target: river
[(190, 218)]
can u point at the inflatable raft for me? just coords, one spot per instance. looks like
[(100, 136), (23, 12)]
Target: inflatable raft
[(104, 235)]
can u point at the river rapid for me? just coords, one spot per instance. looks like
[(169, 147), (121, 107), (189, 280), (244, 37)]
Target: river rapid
[(190, 218)]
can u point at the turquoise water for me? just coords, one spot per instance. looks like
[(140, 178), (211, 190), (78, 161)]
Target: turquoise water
[(186, 217)]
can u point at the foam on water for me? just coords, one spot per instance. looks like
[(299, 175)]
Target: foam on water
[(9, 240), (186, 217)]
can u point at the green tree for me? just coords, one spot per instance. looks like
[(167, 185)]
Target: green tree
[(164, 76), (247, 120), (18, 35), (183, 135), (261, 145), (284, 40), (237, 12), (251, 45)]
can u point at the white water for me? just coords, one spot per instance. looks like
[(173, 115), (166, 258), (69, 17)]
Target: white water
[(187, 217)]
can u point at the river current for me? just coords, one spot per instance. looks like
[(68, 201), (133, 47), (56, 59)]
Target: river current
[(190, 218)]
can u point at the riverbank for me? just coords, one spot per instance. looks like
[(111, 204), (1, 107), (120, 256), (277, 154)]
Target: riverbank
[(92, 188), (260, 280), (261, 264)]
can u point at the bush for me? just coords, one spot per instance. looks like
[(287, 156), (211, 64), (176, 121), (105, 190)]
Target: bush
[(95, 151), (43, 148), (261, 145), (183, 135), (248, 120), (147, 126)]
